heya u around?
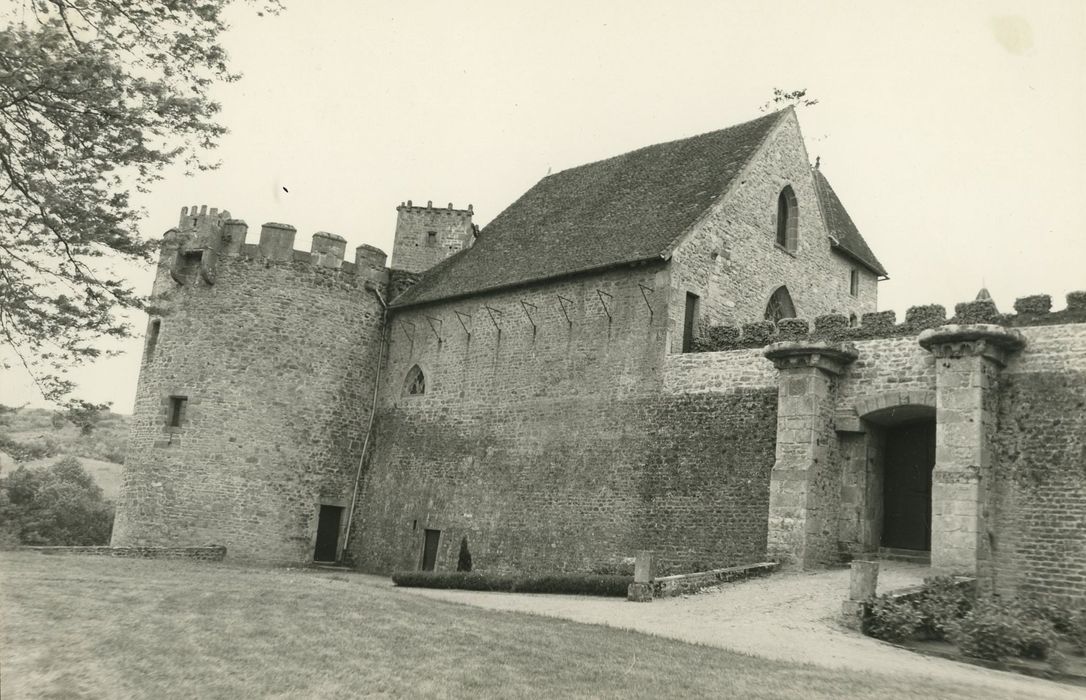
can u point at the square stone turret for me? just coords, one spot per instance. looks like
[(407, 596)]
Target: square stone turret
[(427, 235)]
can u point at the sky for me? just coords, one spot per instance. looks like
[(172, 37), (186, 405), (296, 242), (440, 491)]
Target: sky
[(952, 131)]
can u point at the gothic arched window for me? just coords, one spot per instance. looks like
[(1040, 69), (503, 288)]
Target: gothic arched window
[(780, 305), (415, 384), (787, 219)]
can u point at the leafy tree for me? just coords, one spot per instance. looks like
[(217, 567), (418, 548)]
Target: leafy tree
[(55, 505), (463, 562), (96, 98), (84, 415)]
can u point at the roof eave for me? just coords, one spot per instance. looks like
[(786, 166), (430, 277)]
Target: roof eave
[(527, 282), (873, 267)]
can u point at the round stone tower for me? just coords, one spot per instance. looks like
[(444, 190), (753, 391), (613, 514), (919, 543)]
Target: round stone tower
[(255, 392)]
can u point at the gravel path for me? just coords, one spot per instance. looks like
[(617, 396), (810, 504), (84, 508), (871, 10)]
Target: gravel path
[(786, 616)]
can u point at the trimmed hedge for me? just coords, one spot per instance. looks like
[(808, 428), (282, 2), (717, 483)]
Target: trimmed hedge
[(1036, 304), (831, 327), (577, 584), (793, 329), (980, 311), (921, 318)]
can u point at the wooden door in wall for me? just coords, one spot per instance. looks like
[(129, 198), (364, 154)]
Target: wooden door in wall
[(328, 522), (429, 549), (906, 500)]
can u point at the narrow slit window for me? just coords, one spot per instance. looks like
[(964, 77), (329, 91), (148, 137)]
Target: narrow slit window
[(787, 219), (176, 411), (690, 320), (854, 282), (152, 337)]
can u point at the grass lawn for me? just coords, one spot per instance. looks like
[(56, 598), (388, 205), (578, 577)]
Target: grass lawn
[(115, 628)]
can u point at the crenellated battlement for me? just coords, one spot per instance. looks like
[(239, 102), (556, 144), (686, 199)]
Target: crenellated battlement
[(205, 234), (429, 208), (1035, 310), (200, 219)]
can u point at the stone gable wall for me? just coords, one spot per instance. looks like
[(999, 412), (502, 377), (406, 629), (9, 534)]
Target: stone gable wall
[(277, 360), (732, 260)]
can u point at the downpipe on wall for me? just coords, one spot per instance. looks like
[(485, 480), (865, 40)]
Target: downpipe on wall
[(373, 413)]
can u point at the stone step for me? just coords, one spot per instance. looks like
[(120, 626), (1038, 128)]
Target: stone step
[(910, 555)]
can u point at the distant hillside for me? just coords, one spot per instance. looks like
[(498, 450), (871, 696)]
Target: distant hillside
[(37, 437)]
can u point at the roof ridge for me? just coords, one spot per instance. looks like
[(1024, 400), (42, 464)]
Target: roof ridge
[(630, 206), (778, 114)]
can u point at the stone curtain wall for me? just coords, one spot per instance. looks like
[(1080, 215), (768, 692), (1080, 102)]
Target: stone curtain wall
[(208, 553), (555, 448), (277, 360), (1039, 493), (732, 260)]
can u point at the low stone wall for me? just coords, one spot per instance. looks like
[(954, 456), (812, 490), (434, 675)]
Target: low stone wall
[(682, 584), (209, 553)]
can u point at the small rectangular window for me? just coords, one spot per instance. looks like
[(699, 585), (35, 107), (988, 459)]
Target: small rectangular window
[(431, 239), (854, 282), (689, 321), (177, 411)]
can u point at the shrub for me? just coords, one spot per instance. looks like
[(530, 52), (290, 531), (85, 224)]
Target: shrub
[(878, 322), (1036, 304), (718, 337), (893, 619), (792, 329), (759, 332), (578, 584), (919, 318), (55, 505), (995, 630), (980, 311), (1076, 633), (831, 327), (463, 562), (943, 603)]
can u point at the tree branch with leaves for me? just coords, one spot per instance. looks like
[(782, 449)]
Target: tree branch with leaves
[(97, 97)]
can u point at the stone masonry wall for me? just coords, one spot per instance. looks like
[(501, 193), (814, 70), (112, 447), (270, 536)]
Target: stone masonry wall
[(733, 262), (553, 447), (415, 250), (887, 365), (277, 360), (1038, 527)]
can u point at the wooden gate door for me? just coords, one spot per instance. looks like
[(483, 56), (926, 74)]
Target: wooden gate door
[(908, 465)]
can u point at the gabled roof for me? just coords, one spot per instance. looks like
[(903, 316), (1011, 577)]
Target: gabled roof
[(844, 236), (626, 209)]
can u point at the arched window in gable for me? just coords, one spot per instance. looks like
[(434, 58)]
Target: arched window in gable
[(787, 219), (415, 383), (780, 305)]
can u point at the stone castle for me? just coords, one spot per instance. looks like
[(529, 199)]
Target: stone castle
[(619, 361)]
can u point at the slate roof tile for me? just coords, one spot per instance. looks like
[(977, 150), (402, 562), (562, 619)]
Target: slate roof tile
[(625, 209), (846, 237)]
